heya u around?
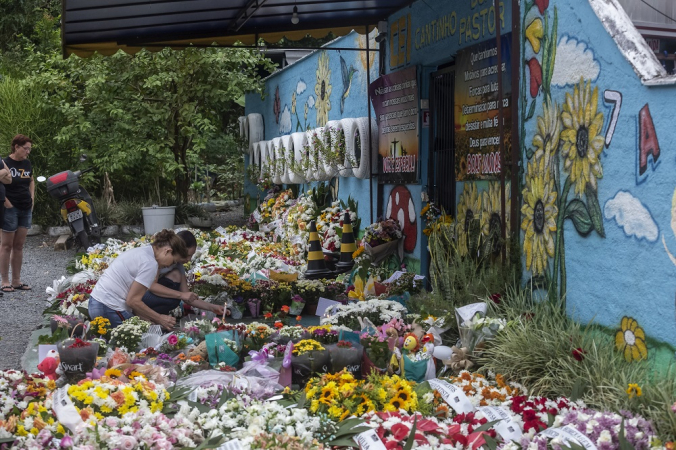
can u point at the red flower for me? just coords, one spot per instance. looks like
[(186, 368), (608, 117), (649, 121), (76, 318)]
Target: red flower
[(298, 318), (542, 5), (278, 325), (496, 298), (285, 309), (528, 315), (578, 354), (535, 76), (267, 315), (400, 431)]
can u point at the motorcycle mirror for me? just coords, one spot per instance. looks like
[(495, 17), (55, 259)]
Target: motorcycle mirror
[(41, 179), (83, 157)]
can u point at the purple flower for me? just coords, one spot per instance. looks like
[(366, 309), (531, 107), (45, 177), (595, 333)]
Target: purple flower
[(66, 442)]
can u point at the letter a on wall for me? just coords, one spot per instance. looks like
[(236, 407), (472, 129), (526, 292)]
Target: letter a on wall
[(647, 140)]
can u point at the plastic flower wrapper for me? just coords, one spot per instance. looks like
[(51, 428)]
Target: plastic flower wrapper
[(309, 358), (376, 310), (346, 356), (297, 305), (198, 329)]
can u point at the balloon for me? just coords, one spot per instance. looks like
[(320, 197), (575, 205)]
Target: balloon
[(442, 352)]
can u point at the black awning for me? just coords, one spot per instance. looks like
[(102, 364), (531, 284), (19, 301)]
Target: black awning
[(106, 26)]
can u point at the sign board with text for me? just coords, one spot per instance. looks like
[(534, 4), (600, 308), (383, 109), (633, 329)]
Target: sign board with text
[(395, 101), (477, 133)]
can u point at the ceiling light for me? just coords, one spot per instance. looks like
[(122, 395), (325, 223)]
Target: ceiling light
[(294, 17)]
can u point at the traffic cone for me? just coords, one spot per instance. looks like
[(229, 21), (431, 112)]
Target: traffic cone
[(347, 246), (316, 267)]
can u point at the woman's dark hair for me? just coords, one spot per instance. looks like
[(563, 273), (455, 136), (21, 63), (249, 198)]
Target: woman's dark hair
[(166, 238), (188, 238), (19, 140)]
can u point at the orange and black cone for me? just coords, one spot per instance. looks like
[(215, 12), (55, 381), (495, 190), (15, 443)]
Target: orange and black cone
[(347, 246), (316, 267)]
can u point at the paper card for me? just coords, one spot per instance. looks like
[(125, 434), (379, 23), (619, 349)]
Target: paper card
[(506, 428), (324, 304), (231, 445), (257, 215), (43, 349), (453, 395), (65, 411), (467, 312), (369, 440)]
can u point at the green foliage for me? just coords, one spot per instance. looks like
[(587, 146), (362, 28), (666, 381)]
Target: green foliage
[(536, 349), (185, 210)]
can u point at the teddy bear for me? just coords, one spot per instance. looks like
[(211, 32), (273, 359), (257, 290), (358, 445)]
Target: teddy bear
[(200, 350), (48, 367)]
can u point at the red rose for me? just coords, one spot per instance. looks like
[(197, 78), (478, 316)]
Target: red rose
[(578, 354)]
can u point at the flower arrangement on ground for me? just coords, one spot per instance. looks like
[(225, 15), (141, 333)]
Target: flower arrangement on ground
[(377, 311), (129, 333)]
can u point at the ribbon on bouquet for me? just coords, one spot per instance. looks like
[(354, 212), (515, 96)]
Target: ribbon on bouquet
[(459, 360), (285, 371), (259, 363)]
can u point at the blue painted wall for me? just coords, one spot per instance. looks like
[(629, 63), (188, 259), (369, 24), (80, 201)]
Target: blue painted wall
[(302, 82), (610, 241)]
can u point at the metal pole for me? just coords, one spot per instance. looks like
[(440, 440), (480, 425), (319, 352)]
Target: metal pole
[(368, 111), (498, 41)]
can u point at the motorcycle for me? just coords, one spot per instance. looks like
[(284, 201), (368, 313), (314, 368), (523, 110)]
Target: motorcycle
[(77, 208)]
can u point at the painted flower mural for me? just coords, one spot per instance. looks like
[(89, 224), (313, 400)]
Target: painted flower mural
[(582, 138), (469, 210), (491, 214), (540, 213), (323, 89), (546, 138), (630, 340)]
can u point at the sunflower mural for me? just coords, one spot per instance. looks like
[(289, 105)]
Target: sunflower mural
[(630, 340), (469, 212), (491, 219), (564, 158), (323, 90)]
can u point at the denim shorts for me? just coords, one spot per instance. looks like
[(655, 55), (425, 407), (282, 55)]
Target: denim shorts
[(15, 218), (98, 309)]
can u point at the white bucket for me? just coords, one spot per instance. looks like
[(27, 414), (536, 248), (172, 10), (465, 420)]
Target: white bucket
[(157, 218)]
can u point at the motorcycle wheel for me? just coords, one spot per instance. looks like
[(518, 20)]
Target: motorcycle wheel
[(83, 239)]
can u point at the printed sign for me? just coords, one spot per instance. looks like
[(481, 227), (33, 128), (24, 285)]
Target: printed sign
[(369, 440), (506, 428), (65, 411), (477, 133), (395, 101), (324, 305), (452, 395), (231, 445)]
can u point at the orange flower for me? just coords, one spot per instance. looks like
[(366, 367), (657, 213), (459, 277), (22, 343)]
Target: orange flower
[(278, 325), (298, 318), (118, 397), (267, 315), (285, 309), (196, 358), (181, 356)]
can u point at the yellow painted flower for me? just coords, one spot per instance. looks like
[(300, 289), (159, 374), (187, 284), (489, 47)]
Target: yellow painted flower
[(358, 292), (546, 138), (539, 212), (582, 138), (323, 90), (469, 209), (535, 33), (630, 340), (491, 222), (634, 390)]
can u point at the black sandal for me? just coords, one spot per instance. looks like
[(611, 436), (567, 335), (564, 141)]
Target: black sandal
[(22, 287), (7, 288)]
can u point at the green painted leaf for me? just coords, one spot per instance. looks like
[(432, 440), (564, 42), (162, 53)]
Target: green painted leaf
[(577, 211), (529, 153), (531, 110), (595, 210)]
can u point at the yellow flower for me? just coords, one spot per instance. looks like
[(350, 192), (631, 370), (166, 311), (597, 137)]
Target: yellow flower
[(491, 222), (582, 138), (634, 389), (539, 216), (534, 34), (358, 252), (630, 340), (358, 292), (323, 90), (113, 373), (546, 138), (469, 209)]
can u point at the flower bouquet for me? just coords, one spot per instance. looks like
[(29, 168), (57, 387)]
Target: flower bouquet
[(383, 239), (477, 329), (174, 342), (346, 356), (99, 327), (376, 355), (309, 358), (77, 357), (254, 305), (223, 347), (129, 333), (297, 305)]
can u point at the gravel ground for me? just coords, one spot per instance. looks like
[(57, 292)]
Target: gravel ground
[(21, 312), (233, 216)]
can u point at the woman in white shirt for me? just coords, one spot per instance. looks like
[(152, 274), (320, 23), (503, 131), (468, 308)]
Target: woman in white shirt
[(118, 294)]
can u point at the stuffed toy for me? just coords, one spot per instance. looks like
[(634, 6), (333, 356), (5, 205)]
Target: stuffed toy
[(48, 367), (200, 350)]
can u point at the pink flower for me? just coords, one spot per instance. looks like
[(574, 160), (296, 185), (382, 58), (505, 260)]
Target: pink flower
[(128, 443), (400, 431), (172, 339), (66, 442)]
